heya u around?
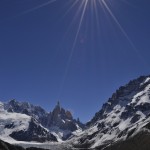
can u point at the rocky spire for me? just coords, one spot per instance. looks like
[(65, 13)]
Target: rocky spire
[(56, 111), (58, 103), (58, 106)]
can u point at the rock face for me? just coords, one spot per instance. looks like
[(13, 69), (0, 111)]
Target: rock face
[(60, 122), (36, 112), (7, 146), (138, 142), (35, 132), (122, 117), (129, 96), (62, 119)]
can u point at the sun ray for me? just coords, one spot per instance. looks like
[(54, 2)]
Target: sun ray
[(117, 22), (96, 9), (70, 8), (96, 6), (122, 30), (74, 18), (84, 5), (32, 9), (79, 27), (128, 3)]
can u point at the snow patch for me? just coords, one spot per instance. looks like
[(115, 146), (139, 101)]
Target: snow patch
[(12, 122)]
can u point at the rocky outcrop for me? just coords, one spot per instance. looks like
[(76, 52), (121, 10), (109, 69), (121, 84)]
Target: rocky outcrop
[(35, 132), (122, 96), (62, 118), (138, 142), (36, 112), (7, 146)]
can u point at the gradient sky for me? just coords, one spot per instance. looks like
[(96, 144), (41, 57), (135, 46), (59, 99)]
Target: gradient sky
[(46, 57)]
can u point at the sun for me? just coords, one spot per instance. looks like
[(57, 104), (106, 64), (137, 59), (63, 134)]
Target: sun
[(84, 8)]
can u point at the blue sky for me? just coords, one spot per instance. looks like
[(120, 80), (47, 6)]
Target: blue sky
[(46, 57)]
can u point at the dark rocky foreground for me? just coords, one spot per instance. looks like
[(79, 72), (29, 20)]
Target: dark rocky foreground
[(141, 141), (7, 146)]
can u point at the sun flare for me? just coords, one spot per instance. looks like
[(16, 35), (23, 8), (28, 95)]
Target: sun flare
[(82, 11)]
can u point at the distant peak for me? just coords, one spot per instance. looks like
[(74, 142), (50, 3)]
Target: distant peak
[(12, 100), (58, 103)]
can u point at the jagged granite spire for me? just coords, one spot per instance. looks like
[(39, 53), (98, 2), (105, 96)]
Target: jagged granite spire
[(58, 103)]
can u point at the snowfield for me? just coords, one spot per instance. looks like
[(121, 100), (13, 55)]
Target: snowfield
[(10, 122), (51, 145)]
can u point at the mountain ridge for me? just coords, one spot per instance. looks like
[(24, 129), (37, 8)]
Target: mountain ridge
[(124, 115), (114, 96)]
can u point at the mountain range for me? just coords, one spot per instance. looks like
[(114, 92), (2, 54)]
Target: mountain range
[(22, 121), (122, 123)]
